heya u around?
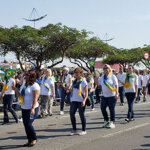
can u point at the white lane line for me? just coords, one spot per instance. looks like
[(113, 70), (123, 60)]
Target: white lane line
[(143, 103), (125, 130), (89, 112)]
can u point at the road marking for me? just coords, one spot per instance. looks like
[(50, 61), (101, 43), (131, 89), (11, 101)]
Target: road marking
[(143, 103), (125, 130)]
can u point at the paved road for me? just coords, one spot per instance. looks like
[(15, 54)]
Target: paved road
[(53, 132)]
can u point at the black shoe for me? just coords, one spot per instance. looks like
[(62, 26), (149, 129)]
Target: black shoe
[(132, 119), (4, 123), (127, 120), (26, 145), (50, 114)]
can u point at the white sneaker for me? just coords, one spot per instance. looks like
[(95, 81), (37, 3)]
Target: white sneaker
[(106, 123), (61, 112), (20, 120), (92, 109), (83, 133), (73, 132), (111, 125)]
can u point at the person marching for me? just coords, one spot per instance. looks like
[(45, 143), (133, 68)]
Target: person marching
[(66, 85), (9, 96), (131, 91), (78, 100), (120, 77), (109, 84), (47, 94), (28, 97)]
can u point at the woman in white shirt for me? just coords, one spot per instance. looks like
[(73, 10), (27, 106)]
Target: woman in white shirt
[(30, 91), (66, 85), (9, 96), (109, 84), (47, 94), (78, 99), (131, 91)]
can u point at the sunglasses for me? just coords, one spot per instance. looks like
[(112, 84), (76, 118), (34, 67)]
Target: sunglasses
[(105, 68), (27, 74)]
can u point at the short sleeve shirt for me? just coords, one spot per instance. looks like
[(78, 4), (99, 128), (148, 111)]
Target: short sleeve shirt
[(75, 97), (10, 91), (28, 98), (112, 80)]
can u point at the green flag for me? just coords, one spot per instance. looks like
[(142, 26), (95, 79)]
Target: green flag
[(92, 63)]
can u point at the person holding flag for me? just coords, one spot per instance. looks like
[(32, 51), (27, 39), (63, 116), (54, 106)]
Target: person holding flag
[(9, 96), (109, 84)]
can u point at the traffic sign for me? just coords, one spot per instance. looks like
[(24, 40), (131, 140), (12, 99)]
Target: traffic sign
[(146, 55)]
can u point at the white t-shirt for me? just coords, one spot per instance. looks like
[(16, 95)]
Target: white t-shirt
[(140, 79), (10, 91), (133, 81), (43, 89), (112, 80), (67, 79), (90, 84), (74, 96), (28, 97), (121, 78), (145, 79)]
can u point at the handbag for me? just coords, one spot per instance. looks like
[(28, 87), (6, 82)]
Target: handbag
[(88, 101)]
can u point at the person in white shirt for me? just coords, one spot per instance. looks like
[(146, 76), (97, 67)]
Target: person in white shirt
[(145, 81), (47, 94), (120, 77), (29, 93), (131, 90), (91, 89), (78, 100), (109, 84), (9, 96), (66, 85), (140, 85)]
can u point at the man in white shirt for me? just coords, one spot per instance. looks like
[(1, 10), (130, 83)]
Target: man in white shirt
[(120, 76), (140, 85)]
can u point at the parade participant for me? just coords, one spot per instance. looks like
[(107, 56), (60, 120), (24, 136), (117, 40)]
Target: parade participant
[(145, 81), (90, 82), (96, 87), (9, 96), (120, 77), (66, 85), (28, 96), (47, 94), (131, 90), (78, 100), (109, 85), (140, 85)]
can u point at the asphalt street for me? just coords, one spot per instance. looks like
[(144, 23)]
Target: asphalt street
[(53, 132)]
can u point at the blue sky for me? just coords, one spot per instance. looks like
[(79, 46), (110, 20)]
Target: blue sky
[(128, 21)]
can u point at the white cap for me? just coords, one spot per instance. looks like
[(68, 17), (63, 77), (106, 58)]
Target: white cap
[(66, 68)]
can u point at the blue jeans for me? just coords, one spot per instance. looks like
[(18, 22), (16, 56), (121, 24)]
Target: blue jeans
[(121, 94), (73, 109), (29, 129), (149, 88), (7, 105), (63, 95), (111, 103), (138, 95), (91, 95), (130, 99), (97, 93)]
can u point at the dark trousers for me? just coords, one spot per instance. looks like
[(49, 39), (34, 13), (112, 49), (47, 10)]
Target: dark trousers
[(7, 105), (121, 94), (29, 129), (91, 95), (138, 95), (97, 93), (130, 99), (73, 109), (110, 102), (63, 95)]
